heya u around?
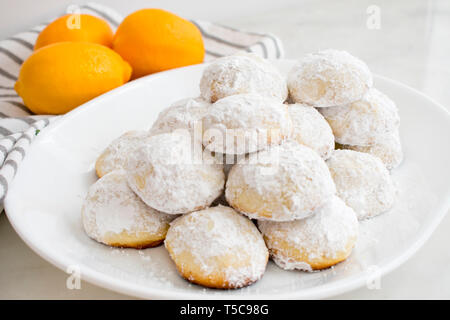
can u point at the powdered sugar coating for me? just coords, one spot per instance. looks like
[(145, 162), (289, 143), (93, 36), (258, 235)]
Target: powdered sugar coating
[(183, 114), (113, 214), (228, 160), (365, 122), (172, 174), (362, 181), (389, 150), (316, 242), (217, 247), (282, 183), (329, 78), (311, 129), (115, 156), (245, 123), (242, 73)]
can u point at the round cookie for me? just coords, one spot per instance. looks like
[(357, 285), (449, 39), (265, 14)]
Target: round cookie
[(115, 156), (364, 122), (245, 123), (172, 174), (311, 129), (282, 183), (183, 114), (242, 73), (114, 215), (317, 242), (217, 248), (389, 150), (362, 181), (328, 78)]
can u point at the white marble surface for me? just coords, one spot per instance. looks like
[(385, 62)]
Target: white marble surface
[(411, 46)]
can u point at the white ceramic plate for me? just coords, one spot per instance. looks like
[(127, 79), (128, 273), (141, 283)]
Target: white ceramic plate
[(45, 198)]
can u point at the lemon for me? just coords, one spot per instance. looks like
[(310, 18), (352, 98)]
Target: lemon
[(154, 40), (61, 76)]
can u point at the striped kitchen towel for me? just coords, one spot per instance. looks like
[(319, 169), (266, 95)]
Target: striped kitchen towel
[(18, 126)]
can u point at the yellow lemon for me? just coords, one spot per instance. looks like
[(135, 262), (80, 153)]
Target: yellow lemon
[(153, 40), (61, 76)]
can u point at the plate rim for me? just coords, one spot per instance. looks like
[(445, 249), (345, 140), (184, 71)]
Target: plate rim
[(132, 289)]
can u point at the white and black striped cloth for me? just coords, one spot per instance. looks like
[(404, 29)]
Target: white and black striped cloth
[(18, 126)]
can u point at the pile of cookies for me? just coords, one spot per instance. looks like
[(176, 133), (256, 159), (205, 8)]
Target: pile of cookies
[(249, 170)]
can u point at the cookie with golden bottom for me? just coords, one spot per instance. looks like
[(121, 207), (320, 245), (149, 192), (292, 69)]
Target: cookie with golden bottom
[(217, 248), (317, 242), (281, 183), (114, 215), (115, 156), (362, 182)]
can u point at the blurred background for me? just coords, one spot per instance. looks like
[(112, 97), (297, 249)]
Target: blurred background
[(411, 44), (406, 40)]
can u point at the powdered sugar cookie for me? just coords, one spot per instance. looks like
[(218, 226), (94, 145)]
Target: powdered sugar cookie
[(217, 248), (362, 181), (183, 114), (242, 73), (317, 242), (365, 122), (311, 129), (174, 175), (282, 183), (329, 78), (245, 123), (115, 156), (114, 215), (389, 150)]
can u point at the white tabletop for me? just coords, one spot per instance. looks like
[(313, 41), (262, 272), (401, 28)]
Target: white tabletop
[(411, 46)]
